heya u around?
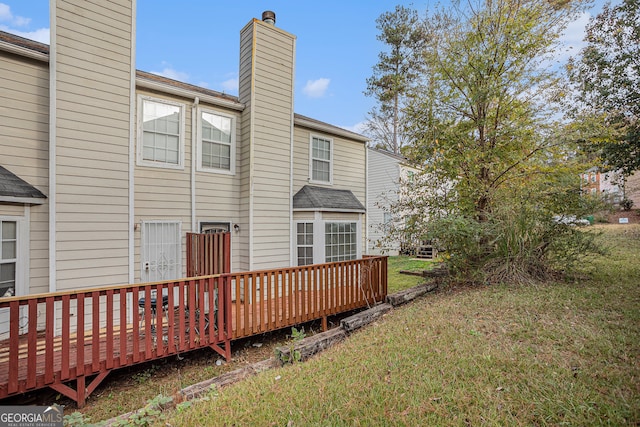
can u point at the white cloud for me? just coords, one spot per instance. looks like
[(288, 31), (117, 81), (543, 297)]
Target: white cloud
[(571, 40), (230, 85), (357, 128), (11, 23), (41, 35), (7, 16), (171, 73), (5, 12), (316, 88)]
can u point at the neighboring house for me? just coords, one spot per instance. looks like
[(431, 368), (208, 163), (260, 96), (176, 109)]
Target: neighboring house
[(105, 168), (632, 189), (608, 185), (386, 172)]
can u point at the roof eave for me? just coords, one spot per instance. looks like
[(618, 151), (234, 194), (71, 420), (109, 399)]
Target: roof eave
[(22, 200), (325, 127), (162, 87), (23, 51), (329, 210)]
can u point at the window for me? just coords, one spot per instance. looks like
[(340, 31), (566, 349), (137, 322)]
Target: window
[(8, 257), (321, 156), (214, 227), (216, 149), (341, 241), (160, 141), (410, 175), (387, 221), (304, 245)]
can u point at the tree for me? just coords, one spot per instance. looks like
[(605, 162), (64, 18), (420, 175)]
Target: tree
[(393, 74), (607, 77), (481, 123)]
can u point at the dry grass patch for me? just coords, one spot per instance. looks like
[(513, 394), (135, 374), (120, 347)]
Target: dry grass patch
[(553, 354)]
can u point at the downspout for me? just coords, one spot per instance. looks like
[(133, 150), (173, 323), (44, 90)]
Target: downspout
[(366, 199), (52, 147), (194, 141), (132, 147), (292, 231)]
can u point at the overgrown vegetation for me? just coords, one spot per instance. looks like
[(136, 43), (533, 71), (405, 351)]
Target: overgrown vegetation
[(552, 354), (481, 106)]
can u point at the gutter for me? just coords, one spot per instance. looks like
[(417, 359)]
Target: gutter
[(23, 51), (192, 94), (312, 124)]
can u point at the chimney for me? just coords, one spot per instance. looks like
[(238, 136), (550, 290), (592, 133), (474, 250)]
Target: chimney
[(269, 17)]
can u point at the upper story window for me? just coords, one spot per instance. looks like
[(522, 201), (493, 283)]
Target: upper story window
[(216, 148), (161, 133), (321, 160)]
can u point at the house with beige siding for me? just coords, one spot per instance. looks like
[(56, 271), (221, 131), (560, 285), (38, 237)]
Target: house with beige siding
[(105, 168)]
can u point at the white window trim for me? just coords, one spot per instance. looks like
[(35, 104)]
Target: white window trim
[(358, 236), (314, 181), (316, 245), (199, 167), (22, 253), (139, 142)]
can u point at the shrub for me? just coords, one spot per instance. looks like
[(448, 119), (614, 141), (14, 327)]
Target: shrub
[(626, 204), (523, 245)]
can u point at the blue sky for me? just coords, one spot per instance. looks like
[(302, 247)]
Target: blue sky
[(197, 41)]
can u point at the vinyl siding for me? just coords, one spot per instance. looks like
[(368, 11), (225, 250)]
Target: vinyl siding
[(266, 87), (218, 196), (163, 194), (24, 148), (348, 163), (383, 178), (92, 50), (244, 143)]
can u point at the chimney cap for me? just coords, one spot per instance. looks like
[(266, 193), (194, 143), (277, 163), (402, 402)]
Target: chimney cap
[(269, 17)]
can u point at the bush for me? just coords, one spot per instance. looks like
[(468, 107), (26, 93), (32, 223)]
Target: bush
[(626, 204), (522, 246)]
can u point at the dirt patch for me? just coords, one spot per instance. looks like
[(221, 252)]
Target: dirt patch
[(130, 388), (632, 215)]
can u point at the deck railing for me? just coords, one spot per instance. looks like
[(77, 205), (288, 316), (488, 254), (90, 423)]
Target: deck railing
[(75, 334), (84, 334), (289, 296)]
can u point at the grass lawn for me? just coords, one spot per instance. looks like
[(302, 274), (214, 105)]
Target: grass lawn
[(553, 354), (397, 281)]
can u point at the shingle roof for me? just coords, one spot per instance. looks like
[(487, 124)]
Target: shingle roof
[(319, 198), (13, 187)]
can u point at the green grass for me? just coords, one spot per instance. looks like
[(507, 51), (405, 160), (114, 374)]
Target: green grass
[(397, 281), (552, 354)]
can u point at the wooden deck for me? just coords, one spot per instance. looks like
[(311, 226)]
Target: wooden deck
[(77, 336)]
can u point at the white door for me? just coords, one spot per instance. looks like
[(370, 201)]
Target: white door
[(161, 253)]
